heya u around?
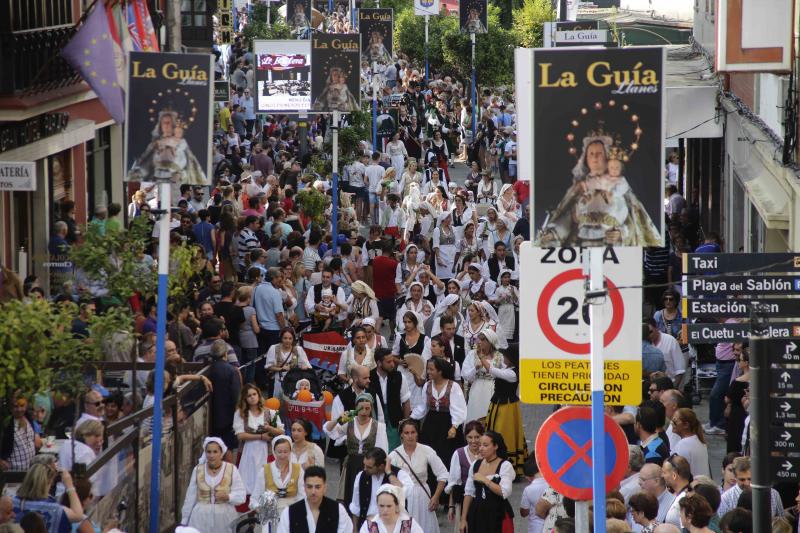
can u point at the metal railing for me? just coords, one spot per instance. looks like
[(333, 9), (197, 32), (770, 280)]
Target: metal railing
[(31, 61)]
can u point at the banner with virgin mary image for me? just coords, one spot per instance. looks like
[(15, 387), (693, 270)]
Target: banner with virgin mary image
[(375, 27), (168, 117), (473, 16), (335, 72), (598, 145), (298, 15)]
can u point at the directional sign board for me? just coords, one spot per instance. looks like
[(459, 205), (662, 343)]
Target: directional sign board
[(785, 410), (712, 263), (785, 380), (564, 452), (784, 439), (784, 352), (554, 329), (758, 285), (735, 332), (740, 308), (786, 468)]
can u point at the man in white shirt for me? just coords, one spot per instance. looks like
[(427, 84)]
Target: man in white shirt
[(359, 377), (676, 473), (673, 356), (730, 498), (374, 175), (315, 512), (369, 480)]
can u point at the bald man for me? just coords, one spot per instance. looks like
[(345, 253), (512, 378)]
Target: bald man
[(652, 482)]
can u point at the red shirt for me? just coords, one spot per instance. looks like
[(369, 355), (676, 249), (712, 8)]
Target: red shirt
[(522, 188), (383, 272)]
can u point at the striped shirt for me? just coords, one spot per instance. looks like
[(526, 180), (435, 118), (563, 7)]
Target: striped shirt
[(731, 496), (247, 243)]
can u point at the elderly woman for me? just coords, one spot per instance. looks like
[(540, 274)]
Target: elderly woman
[(215, 489), (362, 432), (416, 459), (444, 247), (392, 516), (362, 303), (34, 496), (476, 371), (282, 476)]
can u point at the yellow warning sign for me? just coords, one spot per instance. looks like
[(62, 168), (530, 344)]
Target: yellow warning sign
[(565, 381)]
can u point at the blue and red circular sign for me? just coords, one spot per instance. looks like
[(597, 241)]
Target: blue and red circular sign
[(564, 452), (543, 315)]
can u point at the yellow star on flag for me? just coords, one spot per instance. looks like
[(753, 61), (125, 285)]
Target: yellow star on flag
[(103, 82), (86, 51), (94, 41), (93, 74)]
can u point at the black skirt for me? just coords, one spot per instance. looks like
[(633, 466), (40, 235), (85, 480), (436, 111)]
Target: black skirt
[(434, 434)]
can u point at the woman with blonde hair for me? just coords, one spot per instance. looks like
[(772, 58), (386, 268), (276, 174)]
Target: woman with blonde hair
[(692, 445), (34, 496), (282, 476), (255, 427)]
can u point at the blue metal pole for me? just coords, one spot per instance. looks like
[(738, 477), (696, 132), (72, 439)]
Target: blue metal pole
[(474, 89), (598, 386), (335, 185), (330, 6), (374, 112), (427, 69), (161, 333)]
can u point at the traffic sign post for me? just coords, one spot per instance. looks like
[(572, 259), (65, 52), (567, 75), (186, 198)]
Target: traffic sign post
[(563, 447), (555, 335), (785, 410), (785, 353)]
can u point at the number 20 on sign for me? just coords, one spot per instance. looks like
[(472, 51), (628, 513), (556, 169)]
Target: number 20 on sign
[(554, 326)]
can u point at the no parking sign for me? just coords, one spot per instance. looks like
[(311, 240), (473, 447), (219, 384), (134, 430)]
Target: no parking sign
[(554, 326)]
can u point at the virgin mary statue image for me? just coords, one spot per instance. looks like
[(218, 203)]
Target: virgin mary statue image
[(336, 95), (168, 155), (600, 208)]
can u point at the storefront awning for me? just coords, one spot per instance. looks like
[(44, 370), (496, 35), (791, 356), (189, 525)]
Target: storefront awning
[(691, 95)]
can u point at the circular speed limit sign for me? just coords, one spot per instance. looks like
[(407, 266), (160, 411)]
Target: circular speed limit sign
[(549, 330)]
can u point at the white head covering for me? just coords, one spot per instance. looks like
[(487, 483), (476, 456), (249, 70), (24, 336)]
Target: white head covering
[(504, 188), (445, 215), (420, 319), (327, 292), (368, 321), (209, 440), (280, 438), (397, 492), (360, 287), (446, 302), (503, 271), (408, 294), (409, 247), (491, 337), (488, 311)]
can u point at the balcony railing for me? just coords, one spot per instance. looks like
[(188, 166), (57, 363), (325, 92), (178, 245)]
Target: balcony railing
[(31, 63)]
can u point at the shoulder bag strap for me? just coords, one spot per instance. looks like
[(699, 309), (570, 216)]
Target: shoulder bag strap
[(421, 484)]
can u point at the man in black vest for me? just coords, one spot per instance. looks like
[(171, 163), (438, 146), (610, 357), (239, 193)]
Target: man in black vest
[(314, 296), (387, 386), (346, 401), (369, 480), (453, 344), (499, 261), (315, 513)]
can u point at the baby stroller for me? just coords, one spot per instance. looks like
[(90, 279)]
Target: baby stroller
[(313, 411)]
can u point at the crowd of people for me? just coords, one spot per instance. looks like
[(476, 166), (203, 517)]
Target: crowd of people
[(421, 282)]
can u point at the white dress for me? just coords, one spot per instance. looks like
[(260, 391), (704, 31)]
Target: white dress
[(254, 452), (397, 154), (506, 298), (212, 517), (415, 527), (348, 360), (446, 243), (417, 502), (481, 387), (313, 451)]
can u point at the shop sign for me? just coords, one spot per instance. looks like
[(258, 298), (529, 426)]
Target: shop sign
[(16, 176)]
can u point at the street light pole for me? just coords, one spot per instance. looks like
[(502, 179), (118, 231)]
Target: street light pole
[(474, 88), (164, 200), (335, 184), (427, 72), (375, 106)]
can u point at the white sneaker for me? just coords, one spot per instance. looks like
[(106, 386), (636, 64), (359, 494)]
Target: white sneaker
[(713, 430)]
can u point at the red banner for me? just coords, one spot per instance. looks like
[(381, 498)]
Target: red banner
[(314, 412), (281, 61), (327, 346)]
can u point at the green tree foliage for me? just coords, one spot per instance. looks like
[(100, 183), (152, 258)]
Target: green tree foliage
[(314, 204), (528, 27), (113, 260), (410, 37), (259, 27)]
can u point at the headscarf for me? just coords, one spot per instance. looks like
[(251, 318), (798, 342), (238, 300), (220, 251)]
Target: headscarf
[(405, 252), (420, 320), (408, 294), (488, 311), (206, 442), (279, 438), (368, 321), (361, 288), (365, 397), (503, 271), (446, 302), (397, 492), (504, 188), (444, 216), (491, 337)]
